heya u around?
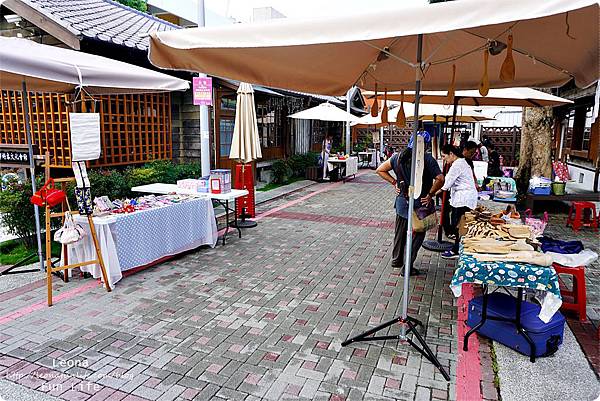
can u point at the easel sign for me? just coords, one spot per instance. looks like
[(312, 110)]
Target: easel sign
[(15, 156)]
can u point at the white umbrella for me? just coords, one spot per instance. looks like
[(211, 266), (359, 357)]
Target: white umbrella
[(46, 68), (554, 41), (324, 112), (245, 144)]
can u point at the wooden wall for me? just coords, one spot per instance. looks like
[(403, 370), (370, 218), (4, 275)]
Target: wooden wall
[(134, 128)]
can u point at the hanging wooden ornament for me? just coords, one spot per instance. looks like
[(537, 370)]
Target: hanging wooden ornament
[(507, 71), (375, 105), (452, 88), (384, 110), (401, 117), (484, 85)]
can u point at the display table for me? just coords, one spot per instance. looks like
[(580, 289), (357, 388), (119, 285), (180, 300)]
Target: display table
[(222, 199), (348, 167), (530, 198), (507, 274), (137, 239)]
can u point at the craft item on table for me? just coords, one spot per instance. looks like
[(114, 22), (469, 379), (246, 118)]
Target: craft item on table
[(531, 257), (561, 171), (540, 185), (189, 183), (224, 178), (583, 258), (537, 225), (103, 203), (557, 246), (70, 232), (490, 245), (84, 200)]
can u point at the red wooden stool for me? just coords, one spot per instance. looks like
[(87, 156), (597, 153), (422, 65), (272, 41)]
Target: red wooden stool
[(577, 292), (578, 221)]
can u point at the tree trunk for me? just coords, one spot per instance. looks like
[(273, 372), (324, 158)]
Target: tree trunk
[(536, 145)]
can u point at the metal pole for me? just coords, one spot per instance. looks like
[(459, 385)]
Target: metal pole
[(32, 169), (204, 129), (348, 99), (380, 146), (411, 188)]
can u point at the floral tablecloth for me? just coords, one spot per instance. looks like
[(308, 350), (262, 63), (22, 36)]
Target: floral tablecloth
[(507, 274)]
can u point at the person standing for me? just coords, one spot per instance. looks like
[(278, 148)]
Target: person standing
[(483, 150), (432, 181), (463, 193), (326, 150)]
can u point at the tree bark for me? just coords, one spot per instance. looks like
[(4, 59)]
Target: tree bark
[(536, 145)]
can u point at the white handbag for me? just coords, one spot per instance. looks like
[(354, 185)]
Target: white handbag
[(70, 232)]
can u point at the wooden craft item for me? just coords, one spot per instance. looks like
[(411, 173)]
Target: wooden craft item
[(507, 71), (384, 110), (375, 106), (484, 84), (401, 117), (534, 258)]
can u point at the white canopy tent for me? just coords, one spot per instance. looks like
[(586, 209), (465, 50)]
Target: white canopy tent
[(555, 41), (28, 66)]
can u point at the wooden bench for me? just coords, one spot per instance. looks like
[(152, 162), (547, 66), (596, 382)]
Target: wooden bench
[(584, 196)]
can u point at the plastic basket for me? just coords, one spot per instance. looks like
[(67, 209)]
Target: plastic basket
[(558, 188), (540, 190)]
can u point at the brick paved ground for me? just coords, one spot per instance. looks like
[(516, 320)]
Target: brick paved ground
[(261, 318)]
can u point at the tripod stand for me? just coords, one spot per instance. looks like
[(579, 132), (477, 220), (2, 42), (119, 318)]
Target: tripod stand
[(412, 324), (417, 162)]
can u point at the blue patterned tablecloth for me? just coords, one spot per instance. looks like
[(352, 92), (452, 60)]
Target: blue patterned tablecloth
[(508, 274), (140, 238)]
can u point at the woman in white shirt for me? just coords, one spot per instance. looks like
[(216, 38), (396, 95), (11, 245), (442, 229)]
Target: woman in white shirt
[(463, 193)]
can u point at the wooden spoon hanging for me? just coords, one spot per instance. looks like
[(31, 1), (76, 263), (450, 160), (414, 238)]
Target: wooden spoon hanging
[(384, 110), (452, 88), (507, 71), (484, 85), (375, 105), (401, 117)]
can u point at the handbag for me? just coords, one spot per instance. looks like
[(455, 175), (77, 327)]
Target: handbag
[(84, 201), (70, 232), (424, 218), (48, 195), (537, 225)]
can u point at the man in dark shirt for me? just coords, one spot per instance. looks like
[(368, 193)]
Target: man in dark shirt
[(432, 181)]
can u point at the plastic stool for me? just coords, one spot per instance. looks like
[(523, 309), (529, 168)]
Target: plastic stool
[(577, 221), (577, 292)]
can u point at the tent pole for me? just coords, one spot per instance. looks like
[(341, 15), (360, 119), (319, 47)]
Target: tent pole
[(348, 99), (455, 109), (32, 169)]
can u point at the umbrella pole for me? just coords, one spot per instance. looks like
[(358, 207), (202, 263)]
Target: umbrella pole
[(32, 169), (404, 319)]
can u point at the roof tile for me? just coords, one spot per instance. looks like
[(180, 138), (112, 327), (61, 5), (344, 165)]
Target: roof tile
[(104, 20)]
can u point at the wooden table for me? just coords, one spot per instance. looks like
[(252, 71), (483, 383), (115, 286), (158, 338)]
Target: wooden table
[(584, 196)]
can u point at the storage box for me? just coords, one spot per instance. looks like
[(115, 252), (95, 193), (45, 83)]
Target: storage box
[(189, 183), (541, 190), (547, 337), (224, 177), (203, 184)]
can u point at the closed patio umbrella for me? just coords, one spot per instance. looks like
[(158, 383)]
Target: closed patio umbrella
[(245, 144)]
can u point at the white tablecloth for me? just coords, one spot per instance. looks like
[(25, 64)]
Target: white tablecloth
[(351, 165), (137, 239)]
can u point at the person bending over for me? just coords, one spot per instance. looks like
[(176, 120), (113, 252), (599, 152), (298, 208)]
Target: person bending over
[(463, 193)]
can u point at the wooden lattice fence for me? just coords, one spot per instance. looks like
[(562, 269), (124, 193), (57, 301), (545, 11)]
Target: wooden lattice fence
[(506, 140), (135, 128)]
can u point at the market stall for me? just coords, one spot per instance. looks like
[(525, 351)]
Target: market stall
[(346, 166), (137, 236)]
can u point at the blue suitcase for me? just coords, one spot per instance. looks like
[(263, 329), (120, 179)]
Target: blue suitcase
[(547, 337)]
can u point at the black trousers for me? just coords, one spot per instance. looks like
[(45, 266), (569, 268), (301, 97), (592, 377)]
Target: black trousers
[(457, 213), (400, 242)]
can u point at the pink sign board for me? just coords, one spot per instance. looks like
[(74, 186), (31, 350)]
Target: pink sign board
[(202, 89)]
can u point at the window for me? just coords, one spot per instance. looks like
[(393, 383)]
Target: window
[(269, 126), (228, 102), (225, 135)]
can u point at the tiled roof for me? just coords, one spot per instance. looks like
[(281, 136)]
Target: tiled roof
[(104, 20)]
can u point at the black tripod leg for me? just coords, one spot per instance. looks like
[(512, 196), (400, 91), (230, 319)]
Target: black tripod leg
[(364, 336), (520, 328), (425, 350)]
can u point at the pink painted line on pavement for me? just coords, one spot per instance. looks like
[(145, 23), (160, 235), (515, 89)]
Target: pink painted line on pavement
[(468, 370), (42, 304)]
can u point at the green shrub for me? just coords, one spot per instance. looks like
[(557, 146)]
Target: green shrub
[(281, 171), (293, 166)]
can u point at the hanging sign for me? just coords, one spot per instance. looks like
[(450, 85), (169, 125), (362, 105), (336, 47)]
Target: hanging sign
[(14, 155), (202, 91)]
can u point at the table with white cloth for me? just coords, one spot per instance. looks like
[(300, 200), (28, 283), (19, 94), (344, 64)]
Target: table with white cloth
[(138, 239), (223, 200), (348, 166)]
